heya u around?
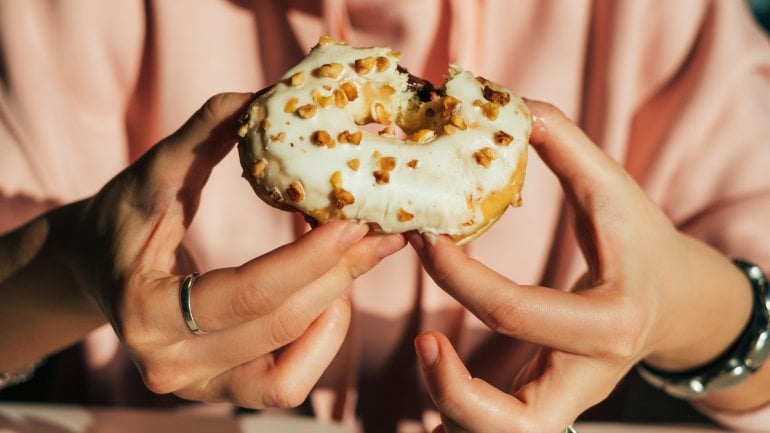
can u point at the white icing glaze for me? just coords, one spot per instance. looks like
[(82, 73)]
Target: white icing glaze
[(436, 186)]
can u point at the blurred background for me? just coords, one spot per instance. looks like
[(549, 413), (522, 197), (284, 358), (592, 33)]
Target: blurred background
[(761, 9)]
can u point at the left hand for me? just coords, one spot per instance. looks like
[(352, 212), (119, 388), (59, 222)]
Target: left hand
[(650, 292)]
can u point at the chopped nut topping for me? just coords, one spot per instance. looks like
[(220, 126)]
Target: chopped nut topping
[(386, 91), (307, 111), (336, 179), (381, 177), (297, 79), (388, 163), (342, 198), (326, 40), (350, 89), (323, 139), (450, 104), (330, 70), (380, 114), (278, 137), (243, 130), (265, 124), (382, 63), (404, 216), (376, 154), (388, 130), (291, 105), (485, 156), (354, 164), (320, 99), (276, 195), (258, 168), (296, 191), (396, 54), (340, 98), (327, 87), (449, 129), (458, 121), (413, 163), (490, 109), (365, 65), (496, 96), (502, 138), (422, 136), (350, 137)]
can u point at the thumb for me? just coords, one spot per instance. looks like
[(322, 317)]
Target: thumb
[(184, 160), (164, 185)]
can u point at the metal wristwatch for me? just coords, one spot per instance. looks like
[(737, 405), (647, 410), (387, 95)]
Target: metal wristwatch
[(737, 363)]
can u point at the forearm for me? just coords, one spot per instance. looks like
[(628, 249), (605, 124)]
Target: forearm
[(42, 305)]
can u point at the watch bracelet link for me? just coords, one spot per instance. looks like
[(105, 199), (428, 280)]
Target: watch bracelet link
[(737, 363)]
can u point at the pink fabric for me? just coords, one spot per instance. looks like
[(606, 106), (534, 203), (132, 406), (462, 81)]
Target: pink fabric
[(679, 92)]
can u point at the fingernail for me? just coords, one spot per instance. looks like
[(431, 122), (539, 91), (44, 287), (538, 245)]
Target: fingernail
[(426, 346), (353, 232), (416, 240), (389, 245)]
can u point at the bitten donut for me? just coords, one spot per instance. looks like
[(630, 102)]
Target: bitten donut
[(349, 134)]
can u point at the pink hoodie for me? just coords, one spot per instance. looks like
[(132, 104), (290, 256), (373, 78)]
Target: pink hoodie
[(678, 91)]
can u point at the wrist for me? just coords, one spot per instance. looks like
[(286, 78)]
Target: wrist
[(734, 365), (42, 308), (705, 312)]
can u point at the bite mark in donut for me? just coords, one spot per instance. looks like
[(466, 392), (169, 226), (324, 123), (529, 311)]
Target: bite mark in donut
[(384, 146)]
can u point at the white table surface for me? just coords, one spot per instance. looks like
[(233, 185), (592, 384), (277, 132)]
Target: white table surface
[(26, 418)]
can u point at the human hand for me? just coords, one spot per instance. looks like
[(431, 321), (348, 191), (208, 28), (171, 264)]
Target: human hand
[(650, 293), (290, 299)]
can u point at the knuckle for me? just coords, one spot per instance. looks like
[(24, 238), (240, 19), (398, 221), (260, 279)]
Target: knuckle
[(355, 266), (285, 327), (285, 396), (213, 109), (134, 332), (449, 399), (162, 379), (505, 318), (252, 301), (626, 336)]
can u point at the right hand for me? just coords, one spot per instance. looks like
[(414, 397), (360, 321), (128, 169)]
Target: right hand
[(290, 299)]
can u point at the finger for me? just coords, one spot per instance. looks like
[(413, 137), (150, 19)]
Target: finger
[(225, 297), (583, 168), (472, 404), (221, 351), (228, 297), (605, 198), (587, 322), (284, 379), (548, 405), (200, 357)]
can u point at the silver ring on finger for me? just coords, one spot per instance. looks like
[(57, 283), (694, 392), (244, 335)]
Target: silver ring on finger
[(570, 429), (184, 297)]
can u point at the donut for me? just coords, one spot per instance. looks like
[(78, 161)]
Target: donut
[(349, 134)]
